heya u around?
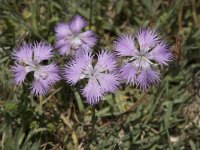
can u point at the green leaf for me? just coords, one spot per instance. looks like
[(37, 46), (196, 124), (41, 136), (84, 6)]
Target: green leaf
[(119, 6), (192, 145)]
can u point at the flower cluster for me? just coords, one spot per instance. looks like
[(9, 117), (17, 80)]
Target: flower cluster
[(71, 40), (100, 73), (28, 58), (101, 77), (141, 63)]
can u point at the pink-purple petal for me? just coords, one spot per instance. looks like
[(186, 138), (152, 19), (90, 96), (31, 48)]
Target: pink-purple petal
[(64, 49), (125, 45), (22, 54), (161, 54), (128, 73), (106, 61), (53, 73), (77, 23), (147, 77), (92, 91), (62, 30), (19, 73), (41, 51), (147, 38), (39, 87), (89, 38), (109, 82)]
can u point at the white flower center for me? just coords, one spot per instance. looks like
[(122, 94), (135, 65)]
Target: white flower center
[(91, 72), (141, 60), (32, 65), (40, 74), (75, 41)]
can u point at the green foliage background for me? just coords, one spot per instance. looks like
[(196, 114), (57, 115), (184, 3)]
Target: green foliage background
[(165, 117)]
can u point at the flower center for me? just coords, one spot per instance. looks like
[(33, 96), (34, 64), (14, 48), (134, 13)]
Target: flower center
[(92, 72), (140, 60), (40, 74), (75, 41)]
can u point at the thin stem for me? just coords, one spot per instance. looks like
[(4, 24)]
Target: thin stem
[(40, 106), (91, 12)]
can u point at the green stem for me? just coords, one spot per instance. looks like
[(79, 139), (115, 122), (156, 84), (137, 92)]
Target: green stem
[(91, 12)]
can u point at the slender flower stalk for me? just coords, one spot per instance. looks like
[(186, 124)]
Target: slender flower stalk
[(28, 59), (141, 63), (71, 40), (100, 78)]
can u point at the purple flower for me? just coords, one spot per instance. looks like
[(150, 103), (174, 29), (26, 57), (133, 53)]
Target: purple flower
[(101, 78), (28, 58), (71, 40), (141, 63)]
